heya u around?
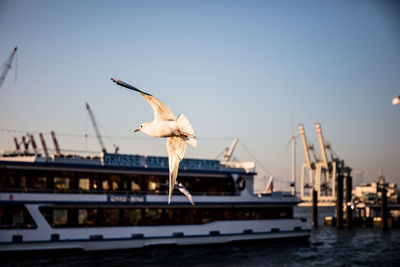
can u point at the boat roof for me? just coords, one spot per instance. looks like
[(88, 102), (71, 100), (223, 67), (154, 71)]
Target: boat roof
[(129, 162)]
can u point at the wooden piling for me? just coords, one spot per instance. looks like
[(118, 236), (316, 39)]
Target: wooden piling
[(339, 202), (315, 208), (384, 209), (349, 211)]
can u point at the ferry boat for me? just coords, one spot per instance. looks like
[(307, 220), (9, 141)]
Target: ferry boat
[(119, 201)]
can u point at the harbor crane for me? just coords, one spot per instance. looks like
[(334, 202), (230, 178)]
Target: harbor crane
[(308, 166), (96, 129), (7, 66), (325, 168), (324, 176), (229, 152)]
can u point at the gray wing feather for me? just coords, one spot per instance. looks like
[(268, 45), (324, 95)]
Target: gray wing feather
[(176, 147), (161, 111)]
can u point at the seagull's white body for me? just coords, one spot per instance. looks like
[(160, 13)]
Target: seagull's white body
[(179, 131), (160, 128)]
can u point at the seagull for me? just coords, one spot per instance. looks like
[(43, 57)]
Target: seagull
[(184, 191), (178, 130)]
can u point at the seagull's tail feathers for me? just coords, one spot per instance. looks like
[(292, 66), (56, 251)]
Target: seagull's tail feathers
[(176, 150), (186, 128), (191, 141)]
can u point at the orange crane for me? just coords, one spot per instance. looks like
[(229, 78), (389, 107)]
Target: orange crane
[(7, 66)]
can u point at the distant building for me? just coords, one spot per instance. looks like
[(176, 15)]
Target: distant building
[(358, 177), (372, 192)]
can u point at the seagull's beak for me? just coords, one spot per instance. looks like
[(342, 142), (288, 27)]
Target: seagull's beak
[(137, 130)]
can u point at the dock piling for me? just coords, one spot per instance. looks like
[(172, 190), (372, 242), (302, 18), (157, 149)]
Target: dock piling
[(315, 208), (384, 209), (349, 211), (339, 202)]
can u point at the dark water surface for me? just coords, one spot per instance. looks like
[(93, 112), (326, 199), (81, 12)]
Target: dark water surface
[(326, 247)]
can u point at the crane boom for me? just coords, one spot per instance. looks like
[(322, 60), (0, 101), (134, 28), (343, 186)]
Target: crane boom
[(305, 146), (55, 142), (96, 129), (228, 153), (321, 145), (7, 66)]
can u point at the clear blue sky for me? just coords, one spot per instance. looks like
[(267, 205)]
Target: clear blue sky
[(234, 68)]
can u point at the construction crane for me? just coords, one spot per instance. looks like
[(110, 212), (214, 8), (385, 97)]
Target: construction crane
[(7, 66), (229, 152), (96, 129)]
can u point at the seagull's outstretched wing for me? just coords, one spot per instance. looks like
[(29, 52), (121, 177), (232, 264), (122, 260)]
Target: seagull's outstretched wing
[(161, 111), (184, 191), (176, 147)]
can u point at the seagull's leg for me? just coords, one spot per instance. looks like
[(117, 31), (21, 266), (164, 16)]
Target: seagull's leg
[(182, 135)]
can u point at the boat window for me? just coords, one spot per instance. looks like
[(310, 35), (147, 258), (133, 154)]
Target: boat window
[(39, 182), (131, 216), (157, 184), (152, 183), (87, 217), (95, 181), (208, 185), (115, 182), (8, 180), (135, 186), (60, 217), (82, 216), (132, 183), (190, 216), (228, 214), (84, 183), (105, 185), (61, 183), (24, 183), (92, 217), (152, 216), (209, 215), (15, 216), (111, 217)]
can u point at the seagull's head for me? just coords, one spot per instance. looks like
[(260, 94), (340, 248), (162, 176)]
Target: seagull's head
[(143, 127), (139, 129)]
